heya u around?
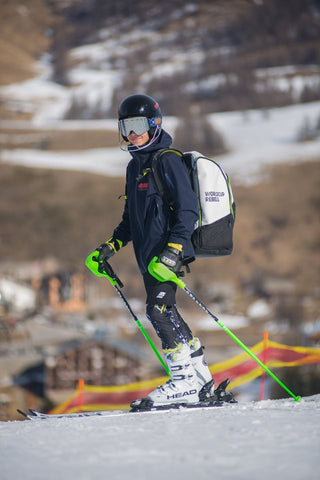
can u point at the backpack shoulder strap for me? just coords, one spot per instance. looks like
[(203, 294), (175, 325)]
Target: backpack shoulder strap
[(157, 173)]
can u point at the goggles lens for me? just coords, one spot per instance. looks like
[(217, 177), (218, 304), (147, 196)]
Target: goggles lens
[(138, 125)]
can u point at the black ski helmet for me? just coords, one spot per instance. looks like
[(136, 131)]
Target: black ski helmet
[(139, 105)]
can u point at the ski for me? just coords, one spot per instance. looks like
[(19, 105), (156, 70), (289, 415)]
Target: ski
[(146, 405), (218, 399), (35, 415), (142, 407)]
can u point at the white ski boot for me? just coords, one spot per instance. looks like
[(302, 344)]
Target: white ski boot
[(204, 377), (183, 385)]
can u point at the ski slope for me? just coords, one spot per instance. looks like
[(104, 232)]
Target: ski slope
[(272, 439)]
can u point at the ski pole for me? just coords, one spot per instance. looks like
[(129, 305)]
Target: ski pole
[(107, 271), (162, 273)]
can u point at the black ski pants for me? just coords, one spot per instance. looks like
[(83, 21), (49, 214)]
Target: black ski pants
[(163, 314)]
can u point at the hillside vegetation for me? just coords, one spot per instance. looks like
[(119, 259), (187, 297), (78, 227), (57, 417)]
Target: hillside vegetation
[(219, 55), (67, 214), (24, 36), (207, 52)]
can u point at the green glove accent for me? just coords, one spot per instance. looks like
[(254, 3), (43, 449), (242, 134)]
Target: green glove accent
[(95, 267), (162, 273), (115, 244)]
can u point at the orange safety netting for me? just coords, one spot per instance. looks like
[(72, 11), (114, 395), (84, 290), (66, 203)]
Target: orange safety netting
[(240, 369)]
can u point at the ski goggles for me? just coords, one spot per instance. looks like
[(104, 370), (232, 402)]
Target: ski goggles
[(138, 125)]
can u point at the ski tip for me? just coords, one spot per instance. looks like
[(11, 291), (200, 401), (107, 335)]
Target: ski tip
[(298, 398), (33, 412), (22, 413)]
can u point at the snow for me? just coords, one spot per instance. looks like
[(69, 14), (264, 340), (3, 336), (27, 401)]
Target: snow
[(255, 138), (288, 78), (259, 309), (40, 96), (276, 439), (231, 321), (19, 296), (259, 138), (106, 161)]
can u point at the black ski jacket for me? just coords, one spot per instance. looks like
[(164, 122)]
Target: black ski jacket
[(148, 220)]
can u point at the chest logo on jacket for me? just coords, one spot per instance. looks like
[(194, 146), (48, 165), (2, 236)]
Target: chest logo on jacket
[(142, 183), (143, 186)]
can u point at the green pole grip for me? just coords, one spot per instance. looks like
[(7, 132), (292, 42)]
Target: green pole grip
[(163, 273), (95, 267)]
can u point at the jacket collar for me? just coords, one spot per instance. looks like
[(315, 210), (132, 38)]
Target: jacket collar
[(164, 141)]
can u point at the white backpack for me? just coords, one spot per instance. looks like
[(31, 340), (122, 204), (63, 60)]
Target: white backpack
[(213, 233)]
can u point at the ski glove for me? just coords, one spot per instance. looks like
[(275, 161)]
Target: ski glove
[(108, 249), (171, 257)]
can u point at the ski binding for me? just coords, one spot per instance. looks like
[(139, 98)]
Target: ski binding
[(206, 400)]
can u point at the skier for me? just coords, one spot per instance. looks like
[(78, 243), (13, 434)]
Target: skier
[(157, 229)]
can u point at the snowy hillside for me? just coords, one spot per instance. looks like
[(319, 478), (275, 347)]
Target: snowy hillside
[(255, 139), (278, 439)]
